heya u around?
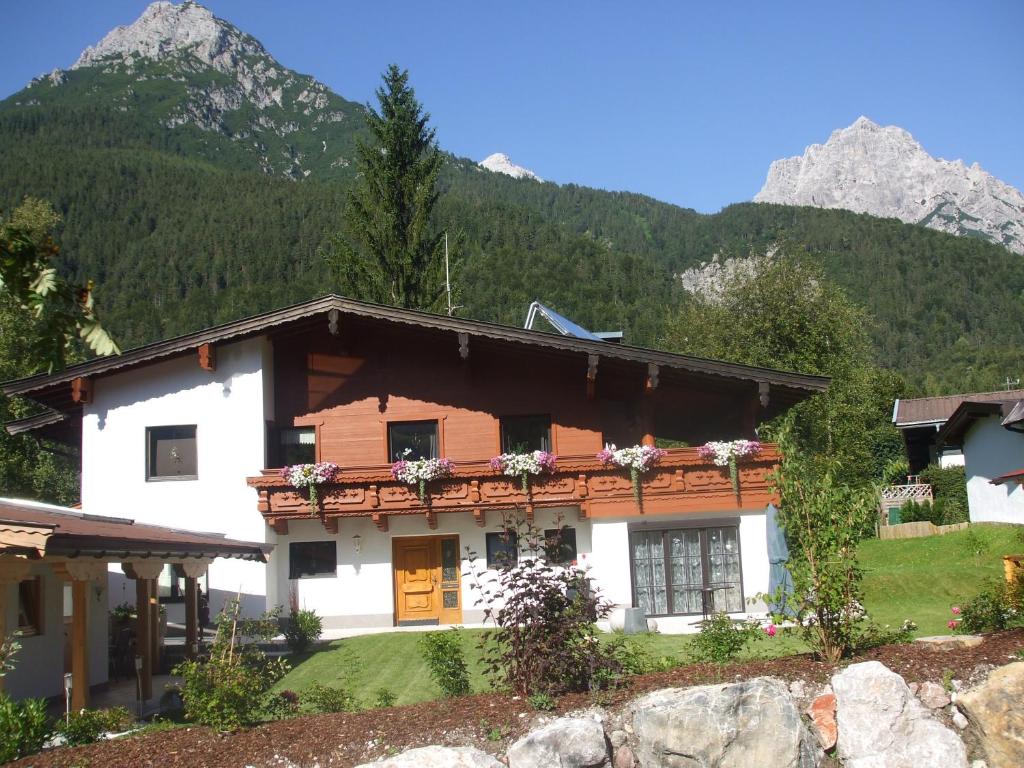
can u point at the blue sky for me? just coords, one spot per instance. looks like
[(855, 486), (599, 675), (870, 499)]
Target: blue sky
[(682, 101)]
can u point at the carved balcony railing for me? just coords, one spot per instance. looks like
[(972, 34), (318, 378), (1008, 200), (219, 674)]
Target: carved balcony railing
[(681, 483), (896, 495)]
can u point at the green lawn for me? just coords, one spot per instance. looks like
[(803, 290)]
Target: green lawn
[(914, 578), (921, 579)]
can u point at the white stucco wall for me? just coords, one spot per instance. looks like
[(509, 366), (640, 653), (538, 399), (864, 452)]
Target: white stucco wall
[(361, 593), (229, 407), (39, 665), (951, 458), (990, 450)]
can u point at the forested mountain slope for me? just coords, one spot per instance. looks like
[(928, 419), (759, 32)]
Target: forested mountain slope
[(185, 223)]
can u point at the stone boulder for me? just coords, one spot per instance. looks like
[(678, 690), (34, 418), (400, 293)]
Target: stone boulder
[(883, 725), (822, 712), (568, 742), (749, 723), (949, 642), (996, 711), (438, 757)]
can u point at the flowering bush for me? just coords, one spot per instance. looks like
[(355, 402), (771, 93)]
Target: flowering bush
[(727, 453), (522, 465), (638, 459), (1000, 605), (419, 472)]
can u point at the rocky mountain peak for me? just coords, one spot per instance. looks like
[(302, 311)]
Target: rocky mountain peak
[(884, 171), (499, 162), (165, 29)]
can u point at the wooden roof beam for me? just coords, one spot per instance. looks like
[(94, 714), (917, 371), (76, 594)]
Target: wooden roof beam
[(207, 357), (592, 361), (81, 390)]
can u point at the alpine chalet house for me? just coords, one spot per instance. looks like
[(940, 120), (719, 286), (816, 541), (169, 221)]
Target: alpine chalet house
[(193, 432)]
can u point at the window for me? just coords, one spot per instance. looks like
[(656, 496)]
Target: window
[(171, 453), (312, 558), (419, 438), (560, 545), (30, 606), (502, 549), (524, 434), (298, 446), (686, 570)]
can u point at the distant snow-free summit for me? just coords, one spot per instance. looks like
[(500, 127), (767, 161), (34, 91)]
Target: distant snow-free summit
[(499, 162), (884, 172)]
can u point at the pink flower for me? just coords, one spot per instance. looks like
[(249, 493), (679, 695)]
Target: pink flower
[(956, 610), (952, 623), (770, 630)]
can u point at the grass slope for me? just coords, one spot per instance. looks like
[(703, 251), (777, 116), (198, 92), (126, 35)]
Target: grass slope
[(921, 579)]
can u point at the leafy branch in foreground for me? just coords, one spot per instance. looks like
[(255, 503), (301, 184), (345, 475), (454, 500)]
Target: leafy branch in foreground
[(63, 311)]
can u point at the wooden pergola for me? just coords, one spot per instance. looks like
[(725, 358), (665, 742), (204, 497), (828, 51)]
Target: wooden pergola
[(79, 547)]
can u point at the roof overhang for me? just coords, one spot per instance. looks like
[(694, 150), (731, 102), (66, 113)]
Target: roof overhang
[(53, 389), (962, 419), (1016, 476)]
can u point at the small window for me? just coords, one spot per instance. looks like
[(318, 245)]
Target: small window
[(298, 446), (30, 606), (171, 453), (312, 558), (502, 549), (413, 440), (560, 545), (524, 434)]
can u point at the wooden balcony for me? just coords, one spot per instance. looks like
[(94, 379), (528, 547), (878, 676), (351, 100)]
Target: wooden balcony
[(681, 483)]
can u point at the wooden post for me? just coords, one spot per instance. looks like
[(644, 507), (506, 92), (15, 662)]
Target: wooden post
[(191, 617), (5, 587), (647, 418), (143, 645), (79, 644), (154, 626)]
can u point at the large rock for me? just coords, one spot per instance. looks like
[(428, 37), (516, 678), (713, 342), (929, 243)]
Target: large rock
[(569, 742), (438, 757), (750, 723), (949, 642), (996, 710), (822, 712), (883, 725)]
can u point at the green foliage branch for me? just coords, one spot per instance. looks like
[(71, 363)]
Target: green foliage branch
[(446, 659)]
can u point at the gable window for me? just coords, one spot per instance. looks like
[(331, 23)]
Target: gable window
[(30, 606), (413, 440), (312, 558), (298, 445), (525, 434), (686, 570), (171, 453), (560, 545), (502, 549)]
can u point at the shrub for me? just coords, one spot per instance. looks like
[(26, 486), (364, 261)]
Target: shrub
[(823, 519), (720, 638), (326, 698), (949, 485), (283, 704), (447, 661), (87, 725), (385, 698), (542, 702), (998, 606), (634, 658), (24, 727), (302, 629), (545, 640), (871, 635), (228, 689)]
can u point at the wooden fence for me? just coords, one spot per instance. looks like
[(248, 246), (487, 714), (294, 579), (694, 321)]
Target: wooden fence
[(917, 530)]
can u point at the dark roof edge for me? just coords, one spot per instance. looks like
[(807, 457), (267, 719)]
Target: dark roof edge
[(966, 412), (30, 423), (257, 323)]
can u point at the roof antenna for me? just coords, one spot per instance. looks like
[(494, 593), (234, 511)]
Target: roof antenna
[(447, 279)]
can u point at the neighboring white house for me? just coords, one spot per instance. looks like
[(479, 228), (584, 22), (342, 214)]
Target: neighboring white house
[(989, 433)]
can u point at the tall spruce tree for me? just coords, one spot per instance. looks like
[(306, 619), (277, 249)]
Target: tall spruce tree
[(390, 250)]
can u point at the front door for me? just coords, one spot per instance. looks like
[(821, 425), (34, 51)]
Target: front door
[(427, 580)]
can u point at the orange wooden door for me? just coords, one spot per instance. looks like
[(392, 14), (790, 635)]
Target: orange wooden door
[(424, 583), (417, 581)]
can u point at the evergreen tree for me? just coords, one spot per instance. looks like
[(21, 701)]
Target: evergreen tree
[(390, 250)]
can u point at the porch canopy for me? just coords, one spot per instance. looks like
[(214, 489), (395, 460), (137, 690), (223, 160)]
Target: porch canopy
[(79, 546)]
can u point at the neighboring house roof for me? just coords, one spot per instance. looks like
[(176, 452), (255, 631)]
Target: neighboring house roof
[(50, 389), (961, 420), (72, 533), (922, 411), (1015, 418)]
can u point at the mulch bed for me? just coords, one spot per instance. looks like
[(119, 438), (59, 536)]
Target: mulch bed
[(488, 721)]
